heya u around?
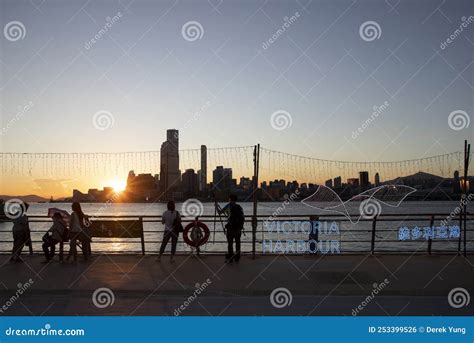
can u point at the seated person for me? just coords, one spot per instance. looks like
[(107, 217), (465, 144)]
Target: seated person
[(54, 235)]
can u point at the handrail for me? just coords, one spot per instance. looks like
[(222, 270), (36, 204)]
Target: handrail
[(372, 239), (265, 216)]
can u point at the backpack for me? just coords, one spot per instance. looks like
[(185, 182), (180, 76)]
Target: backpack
[(177, 225), (237, 218)]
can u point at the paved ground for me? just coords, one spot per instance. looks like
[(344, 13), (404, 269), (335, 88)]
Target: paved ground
[(330, 285)]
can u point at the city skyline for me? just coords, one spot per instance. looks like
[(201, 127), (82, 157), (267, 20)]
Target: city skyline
[(223, 181), (349, 172), (303, 78)]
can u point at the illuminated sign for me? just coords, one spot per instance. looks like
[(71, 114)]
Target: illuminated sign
[(300, 237), (428, 232)]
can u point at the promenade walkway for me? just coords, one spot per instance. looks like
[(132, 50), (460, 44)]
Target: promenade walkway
[(323, 285)]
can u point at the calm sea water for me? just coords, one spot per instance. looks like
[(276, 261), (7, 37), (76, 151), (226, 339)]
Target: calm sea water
[(351, 237)]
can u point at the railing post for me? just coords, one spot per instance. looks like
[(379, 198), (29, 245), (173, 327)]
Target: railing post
[(314, 234), (372, 243), (140, 219), (460, 229), (430, 241), (256, 161)]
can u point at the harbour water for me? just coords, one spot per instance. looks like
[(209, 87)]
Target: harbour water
[(352, 237)]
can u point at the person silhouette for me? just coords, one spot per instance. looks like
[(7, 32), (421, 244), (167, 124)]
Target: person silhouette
[(234, 226), (53, 236), (171, 219), (21, 234), (78, 223)]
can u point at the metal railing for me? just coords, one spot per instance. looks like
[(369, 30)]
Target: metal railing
[(376, 235)]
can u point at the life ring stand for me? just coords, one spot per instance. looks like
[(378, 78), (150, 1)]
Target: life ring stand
[(187, 231)]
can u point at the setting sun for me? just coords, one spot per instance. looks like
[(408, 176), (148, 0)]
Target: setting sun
[(118, 185)]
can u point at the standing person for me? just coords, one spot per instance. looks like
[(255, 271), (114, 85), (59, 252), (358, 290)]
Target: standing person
[(77, 225), (53, 236), (21, 234), (234, 226), (171, 219)]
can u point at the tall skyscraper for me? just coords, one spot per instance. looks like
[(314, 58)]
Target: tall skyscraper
[(337, 182), (222, 178), (377, 179), (364, 179), (169, 164), (190, 183), (203, 176)]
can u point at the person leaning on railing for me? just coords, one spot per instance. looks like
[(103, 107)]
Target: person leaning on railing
[(78, 223), (21, 235)]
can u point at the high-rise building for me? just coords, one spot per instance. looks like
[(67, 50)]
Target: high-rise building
[(189, 183), (169, 164), (337, 182), (203, 176), (328, 183), (364, 179), (353, 181), (130, 178), (222, 178), (377, 179), (245, 182), (141, 187)]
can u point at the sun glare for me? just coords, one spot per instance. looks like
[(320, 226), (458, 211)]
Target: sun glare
[(118, 185)]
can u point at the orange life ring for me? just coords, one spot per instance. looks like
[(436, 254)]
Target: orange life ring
[(189, 227)]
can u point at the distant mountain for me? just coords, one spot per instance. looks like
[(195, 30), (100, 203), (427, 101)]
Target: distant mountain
[(416, 178), (27, 198)]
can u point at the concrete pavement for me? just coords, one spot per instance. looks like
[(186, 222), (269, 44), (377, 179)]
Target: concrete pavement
[(323, 285)]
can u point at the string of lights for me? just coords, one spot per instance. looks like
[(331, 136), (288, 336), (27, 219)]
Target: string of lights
[(273, 164)]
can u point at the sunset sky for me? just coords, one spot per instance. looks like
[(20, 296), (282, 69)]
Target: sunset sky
[(221, 88)]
